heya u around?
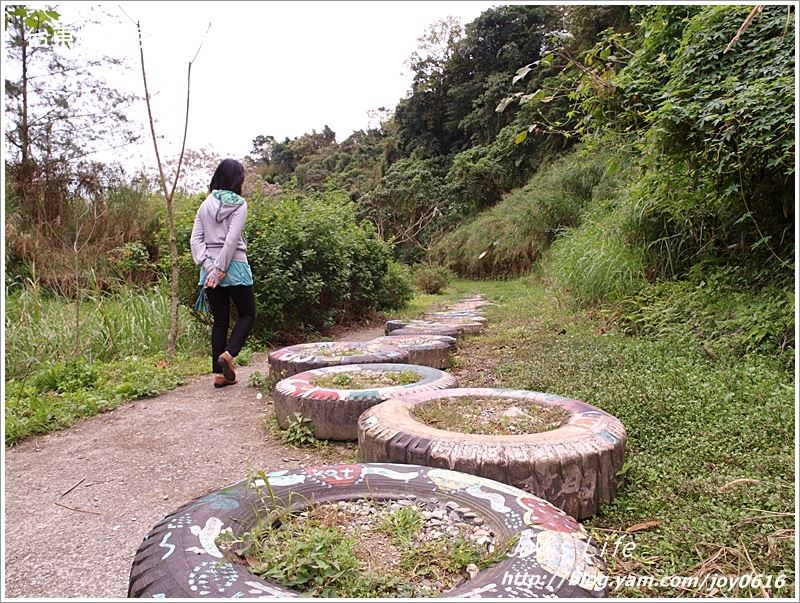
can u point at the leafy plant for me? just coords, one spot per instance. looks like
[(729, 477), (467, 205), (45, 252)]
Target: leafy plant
[(431, 279), (261, 381), (299, 432)]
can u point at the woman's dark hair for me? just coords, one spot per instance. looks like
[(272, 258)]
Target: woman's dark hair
[(229, 176)]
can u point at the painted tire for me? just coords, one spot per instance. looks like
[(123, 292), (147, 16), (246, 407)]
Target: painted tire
[(458, 318), (426, 350), (307, 356), (573, 466), (553, 557), (334, 412), (471, 303), (429, 329), (462, 327), (450, 313)]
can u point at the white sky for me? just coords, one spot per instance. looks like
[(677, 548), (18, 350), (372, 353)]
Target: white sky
[(279, 68)]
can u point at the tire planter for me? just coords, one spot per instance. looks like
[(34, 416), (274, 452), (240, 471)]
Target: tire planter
[(307, 356), (425, 350), (553, 557), (573, 466), (448, 316), (455, 318), (334, 412), (429, 329), (463, 327)]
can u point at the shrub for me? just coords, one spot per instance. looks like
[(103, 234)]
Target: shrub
[(396, 289), (431, 279)]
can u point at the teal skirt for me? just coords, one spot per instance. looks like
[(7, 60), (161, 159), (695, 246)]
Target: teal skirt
[(238, 273)]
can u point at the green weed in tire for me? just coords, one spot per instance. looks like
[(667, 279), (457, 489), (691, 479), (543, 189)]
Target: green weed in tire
[(553, 556)]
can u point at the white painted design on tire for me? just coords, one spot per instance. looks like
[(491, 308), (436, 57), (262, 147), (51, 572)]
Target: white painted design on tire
[(207, 536), (403, 477)]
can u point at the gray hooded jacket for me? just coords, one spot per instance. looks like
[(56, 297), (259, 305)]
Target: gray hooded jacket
[(217, 234)]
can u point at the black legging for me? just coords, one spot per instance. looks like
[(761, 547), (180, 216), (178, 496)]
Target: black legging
[(219, 298)]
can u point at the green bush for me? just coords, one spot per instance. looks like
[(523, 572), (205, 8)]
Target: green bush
[(431, 279), (396, 289), (313, 264)]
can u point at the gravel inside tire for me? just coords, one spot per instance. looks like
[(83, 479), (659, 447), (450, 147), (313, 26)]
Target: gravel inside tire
[(307, 356), (426, 350), (573, 466), (334, 412), (553, 555)]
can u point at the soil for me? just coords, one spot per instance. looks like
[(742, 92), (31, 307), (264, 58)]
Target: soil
[(79, 501), (490, 415), (366, 378)]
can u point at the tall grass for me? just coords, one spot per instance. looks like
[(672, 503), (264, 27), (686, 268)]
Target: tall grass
[(41, 328), (508, 239), (595, 263)]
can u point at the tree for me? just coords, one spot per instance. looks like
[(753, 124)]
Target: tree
[(172, 338), (59, 111)]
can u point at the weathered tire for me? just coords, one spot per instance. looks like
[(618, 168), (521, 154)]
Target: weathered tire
[(429, 329), (471, 303), (574, 466), (426, 350), (448, 316), (307, 356), (554, 555), (463, 327), (334, 412)]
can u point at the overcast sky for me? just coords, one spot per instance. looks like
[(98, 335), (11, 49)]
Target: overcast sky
[(279, 68)]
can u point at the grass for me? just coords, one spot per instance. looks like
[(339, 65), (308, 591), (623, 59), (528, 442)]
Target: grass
[(366, 378), (509, 238), (60, 394), (49, 385), (710, 453), (41, 328), (488, 415), (326, 550)]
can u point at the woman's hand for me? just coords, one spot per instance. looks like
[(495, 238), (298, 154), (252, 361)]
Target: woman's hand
[(213, 279)]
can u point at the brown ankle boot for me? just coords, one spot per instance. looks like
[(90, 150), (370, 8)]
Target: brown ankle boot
[(221, 381), (227, 366)]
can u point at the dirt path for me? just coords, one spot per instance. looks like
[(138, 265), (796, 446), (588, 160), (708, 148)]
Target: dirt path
[(79, 501)]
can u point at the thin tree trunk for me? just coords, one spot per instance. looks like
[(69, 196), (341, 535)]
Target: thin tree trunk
[(25, 175), (77, 297), (172, 337)]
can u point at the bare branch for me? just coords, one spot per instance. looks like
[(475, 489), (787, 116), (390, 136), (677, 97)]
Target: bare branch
[(150, 113), (186, 122), (753, 14)]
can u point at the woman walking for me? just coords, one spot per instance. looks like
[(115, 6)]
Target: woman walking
[(218, 247)]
